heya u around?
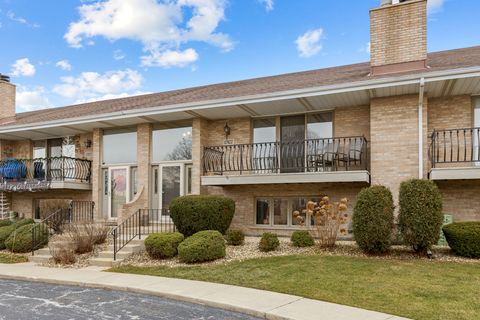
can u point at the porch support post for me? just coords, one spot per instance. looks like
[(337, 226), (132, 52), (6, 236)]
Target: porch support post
[(96, 178), (420, 128), (199, 140)]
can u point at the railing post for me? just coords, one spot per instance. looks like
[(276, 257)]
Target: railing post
[(33, 241), (114, 244), (139, 224)]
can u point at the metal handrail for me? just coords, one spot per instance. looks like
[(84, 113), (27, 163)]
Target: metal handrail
[(309, 155), (141, 222), (460, 145)]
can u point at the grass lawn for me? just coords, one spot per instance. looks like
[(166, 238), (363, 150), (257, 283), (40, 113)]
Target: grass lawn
[(418, 289), (12, 258)]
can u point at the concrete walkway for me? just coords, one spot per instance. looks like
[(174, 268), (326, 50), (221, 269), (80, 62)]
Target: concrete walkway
[(259, 303)]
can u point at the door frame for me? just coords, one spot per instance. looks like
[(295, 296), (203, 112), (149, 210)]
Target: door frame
[(127, 190), (160, 183)]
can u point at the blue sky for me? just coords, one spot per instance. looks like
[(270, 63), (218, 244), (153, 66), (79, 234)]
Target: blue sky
[(65, 52)]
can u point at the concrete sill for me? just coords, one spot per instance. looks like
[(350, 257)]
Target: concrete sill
[(466, 173)]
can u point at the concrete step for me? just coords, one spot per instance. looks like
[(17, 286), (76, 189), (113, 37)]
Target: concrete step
[(43, 252), (120, 255), (39, 258), (104, 262)]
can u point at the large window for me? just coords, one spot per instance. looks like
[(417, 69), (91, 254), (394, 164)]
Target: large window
[(119, 146), (264, 130), (284, 211), (172, 144)]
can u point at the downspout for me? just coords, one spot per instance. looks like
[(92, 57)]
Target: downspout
[(420, 127)]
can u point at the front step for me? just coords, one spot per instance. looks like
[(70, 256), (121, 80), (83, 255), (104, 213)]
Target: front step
[(105, 257), (39, 258)]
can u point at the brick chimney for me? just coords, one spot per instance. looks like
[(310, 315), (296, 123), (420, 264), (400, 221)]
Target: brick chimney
[(398, 36), (7, 98)]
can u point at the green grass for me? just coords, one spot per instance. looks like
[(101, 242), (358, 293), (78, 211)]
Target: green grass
[(419, 289), (12, 258)]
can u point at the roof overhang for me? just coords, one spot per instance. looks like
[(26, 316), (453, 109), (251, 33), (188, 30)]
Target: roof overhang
[(437, 84)]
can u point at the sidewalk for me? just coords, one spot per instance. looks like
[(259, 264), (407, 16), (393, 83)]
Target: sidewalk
[(263, 304)]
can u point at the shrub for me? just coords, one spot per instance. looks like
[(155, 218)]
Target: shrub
[(6, 231), (202, 246), (268, 242), (302, 239), (373, 219), (420, 217), (235, 237), (328, 218), (163, 245), (20, 240), (464, 238), (23, 222), (62, 249), (86, 235), (6, 222), (195, 213)]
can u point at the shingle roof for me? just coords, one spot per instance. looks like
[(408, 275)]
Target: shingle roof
[(437, 61)]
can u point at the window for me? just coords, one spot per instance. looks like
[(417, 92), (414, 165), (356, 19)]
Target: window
[(172, 144), (264, 130), (287, 211), (39, 149), (319, 125), (119, 146)]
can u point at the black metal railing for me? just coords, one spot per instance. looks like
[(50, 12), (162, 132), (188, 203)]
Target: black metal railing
[(311, 155), (45, 169), (141, 222), (455, 146), (76, 212)]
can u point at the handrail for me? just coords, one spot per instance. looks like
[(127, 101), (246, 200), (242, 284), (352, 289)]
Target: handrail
[(141, 222), (75, 212), (45, 169), (309, 155), (460, 145)]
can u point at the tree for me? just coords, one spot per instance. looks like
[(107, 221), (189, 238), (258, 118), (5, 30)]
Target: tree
[(183, 150)]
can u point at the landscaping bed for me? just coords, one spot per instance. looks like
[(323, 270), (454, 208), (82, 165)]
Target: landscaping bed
[(401, 283), (8, 257)]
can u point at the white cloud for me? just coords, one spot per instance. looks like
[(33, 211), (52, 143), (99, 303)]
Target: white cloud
[(434, 5), (268, 4), (92, 84), (118, 55), (64, 65), (11, 15), (23, 67), (170, 58), (32, 99), (308, 44), (160, 26), (365, 48)]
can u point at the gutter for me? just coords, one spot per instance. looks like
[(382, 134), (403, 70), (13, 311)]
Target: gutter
[(282, 95), (420, 127)]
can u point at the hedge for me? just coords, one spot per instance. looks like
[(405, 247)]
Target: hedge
[(373, 219), (420, 217), (302, 239), (195, 213), (163, 245), (464, 238), (202, 246), (5, 222), (268, 242), (235, 237), (7, 230), (20, 241)]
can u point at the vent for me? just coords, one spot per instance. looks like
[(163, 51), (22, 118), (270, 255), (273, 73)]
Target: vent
[(4, 78)]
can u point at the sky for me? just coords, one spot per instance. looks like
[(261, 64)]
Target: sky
[(61, 52)]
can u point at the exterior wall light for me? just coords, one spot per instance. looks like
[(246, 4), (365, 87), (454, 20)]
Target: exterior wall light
[(226, 129)]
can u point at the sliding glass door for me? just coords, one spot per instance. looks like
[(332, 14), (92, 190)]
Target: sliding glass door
[(292, 136)]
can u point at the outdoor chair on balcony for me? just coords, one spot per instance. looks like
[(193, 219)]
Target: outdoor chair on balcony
[(326, 160), (354, 154)]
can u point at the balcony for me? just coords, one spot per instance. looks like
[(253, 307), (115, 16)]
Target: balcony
[(306, 161), (455, 154), (18, 175)]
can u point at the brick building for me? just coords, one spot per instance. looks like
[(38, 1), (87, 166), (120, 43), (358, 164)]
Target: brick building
[(271, 144)]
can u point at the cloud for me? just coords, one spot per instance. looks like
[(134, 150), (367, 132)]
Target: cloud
[(160, 26), (170, 58), (64, 65), (308, 44), (434, 5), (31, 99), (93, 84), (366, 48), (23, 67), (118, 55), (11, 15), (268, 4)]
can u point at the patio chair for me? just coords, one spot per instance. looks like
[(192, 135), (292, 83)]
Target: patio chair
[(354, 154), (327, 157)]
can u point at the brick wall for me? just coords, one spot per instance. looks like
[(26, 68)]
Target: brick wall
[(398, 33), (352, 121), (7, 100), (450, 112), (461, 199), (97, 179)]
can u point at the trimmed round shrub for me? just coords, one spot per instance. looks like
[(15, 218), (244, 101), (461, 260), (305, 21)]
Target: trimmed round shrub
[(373, 219), (20, 241), (235, 237), (420, 217), (163, 245), (268, 242), (464, 238), (202, 246), (6, 222), (195, 213), (302, 239)]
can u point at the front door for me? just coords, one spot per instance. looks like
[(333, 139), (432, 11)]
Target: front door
[(169, 180), (118, 186)]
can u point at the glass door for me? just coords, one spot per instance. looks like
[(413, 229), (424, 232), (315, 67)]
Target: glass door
[(119, 190), (476, 132), (171, 185), (292, 138)]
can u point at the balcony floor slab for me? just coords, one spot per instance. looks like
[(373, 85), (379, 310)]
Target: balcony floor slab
[(465, 173)]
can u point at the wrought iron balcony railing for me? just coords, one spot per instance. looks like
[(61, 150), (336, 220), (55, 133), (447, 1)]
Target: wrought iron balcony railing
[(455, 146), (45, 170), (311, 155)]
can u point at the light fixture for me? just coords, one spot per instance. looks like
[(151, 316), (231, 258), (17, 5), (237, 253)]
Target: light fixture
[(226, 129), (88, 143)]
